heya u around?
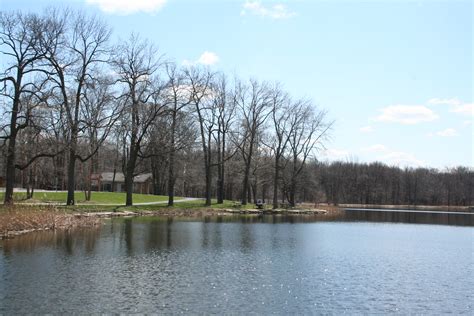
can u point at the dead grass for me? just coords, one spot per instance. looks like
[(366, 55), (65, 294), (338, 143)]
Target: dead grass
[(17, 220)]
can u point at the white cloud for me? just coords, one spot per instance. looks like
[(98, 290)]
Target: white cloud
[(124, 7), (207, 58), (406, 114), (466, 109), (375, 148), (392, 157), (276, 11), (449, 132), (366, 129), (399, 158), (335, 154), (437, 101), (456, 105)]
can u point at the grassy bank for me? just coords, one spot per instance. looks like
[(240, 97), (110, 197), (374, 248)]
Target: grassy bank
[(96, 197), (26, 217)]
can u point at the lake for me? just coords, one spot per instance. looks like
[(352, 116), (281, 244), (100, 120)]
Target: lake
[(244, 264)]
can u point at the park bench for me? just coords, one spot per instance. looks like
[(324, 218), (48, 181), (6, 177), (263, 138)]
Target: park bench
[(260, 204)]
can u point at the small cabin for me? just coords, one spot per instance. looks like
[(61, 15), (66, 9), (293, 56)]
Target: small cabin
[(115, 182)]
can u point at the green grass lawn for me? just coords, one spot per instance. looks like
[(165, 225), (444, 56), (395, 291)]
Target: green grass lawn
[(96, 198), (193, 204), (116, 200)]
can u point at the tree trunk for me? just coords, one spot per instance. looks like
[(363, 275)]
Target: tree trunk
[(208, 185), (31, 182), (89, 180), (10, 164), (156, 177), (264, 193), (220, 184), (129, 186), (254, 191), (275, 182), (292, 195), (245, 184), (112, 189), (171, 179), (10, 172), (71, 181), (171, 161), (220, 168)]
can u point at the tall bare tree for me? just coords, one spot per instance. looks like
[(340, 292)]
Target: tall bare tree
[(99, 114), (137, 64), (254, 108), (200, 84), (225, 104), (20, 36), (78, 47), (280, 136), (309, 128), (179, 97)]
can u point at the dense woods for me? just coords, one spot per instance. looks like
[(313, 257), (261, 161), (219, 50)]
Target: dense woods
[(74, 104)]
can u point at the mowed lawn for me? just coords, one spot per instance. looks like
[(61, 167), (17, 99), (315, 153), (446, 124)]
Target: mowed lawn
[(96, 198)]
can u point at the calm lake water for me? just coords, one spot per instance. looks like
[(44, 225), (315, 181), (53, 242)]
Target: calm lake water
[(248, 264)]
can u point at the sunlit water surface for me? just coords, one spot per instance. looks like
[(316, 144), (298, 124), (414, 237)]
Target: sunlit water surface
[(240, 265)]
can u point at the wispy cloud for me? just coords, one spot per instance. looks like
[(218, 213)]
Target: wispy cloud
[(124, 7), (406, 114), (335, 154), (400, 158), (449, 132), (466, 109), (455, 105), (437, 101), (276, 11), (375, 148), (207, 58), (366, 129), (392, 157)]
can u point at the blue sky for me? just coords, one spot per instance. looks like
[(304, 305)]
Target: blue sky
[(396, 76)]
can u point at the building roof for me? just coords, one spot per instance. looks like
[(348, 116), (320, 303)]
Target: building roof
[(119, 177), (142, 177), (109, 177)]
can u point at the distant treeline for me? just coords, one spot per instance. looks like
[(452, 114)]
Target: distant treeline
[(376, 183)]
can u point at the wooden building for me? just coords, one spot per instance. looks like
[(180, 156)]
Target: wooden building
[(110, 182)]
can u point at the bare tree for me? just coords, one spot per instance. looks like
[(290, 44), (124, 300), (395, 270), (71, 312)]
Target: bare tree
[(226, 109), (99, 114), (282, 129), (308, 130), (137, 63), (200, 85), (78, 46), (178, 96), (20, 36), (254, 109)]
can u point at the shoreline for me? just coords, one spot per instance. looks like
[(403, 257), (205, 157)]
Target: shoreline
[(22, 219)]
